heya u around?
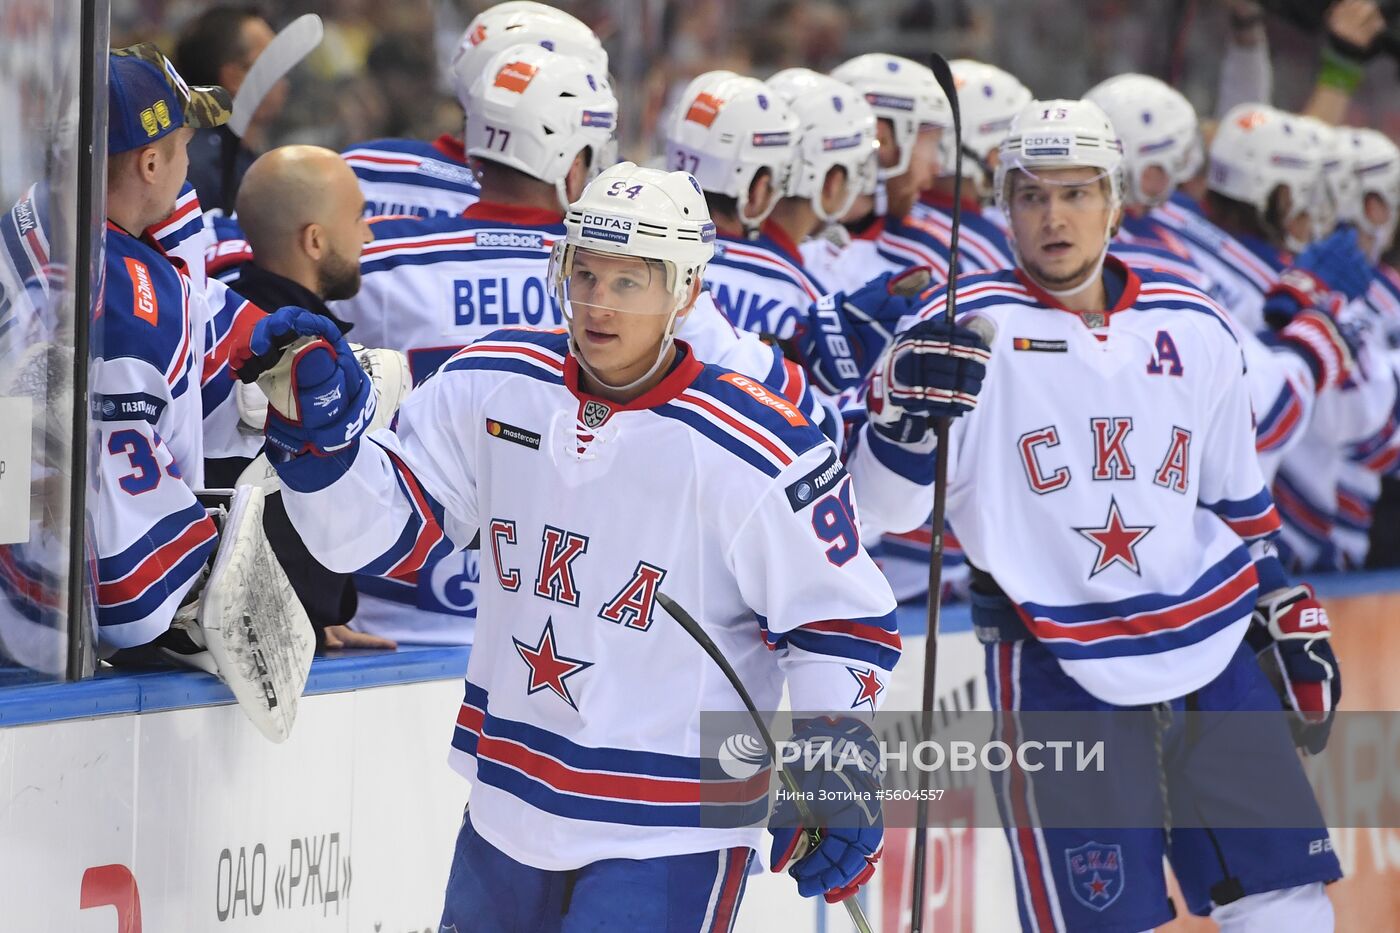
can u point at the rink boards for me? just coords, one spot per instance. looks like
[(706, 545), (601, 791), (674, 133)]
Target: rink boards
[(152, 797)]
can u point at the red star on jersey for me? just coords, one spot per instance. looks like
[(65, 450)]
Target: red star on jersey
[(1116, 541), (548, 668), (1097, 887), (870, 687)]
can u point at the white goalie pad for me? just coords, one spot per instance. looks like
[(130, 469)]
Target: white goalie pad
[(254, 627)]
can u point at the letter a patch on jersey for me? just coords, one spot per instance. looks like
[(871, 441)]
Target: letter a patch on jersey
[(1165, 357), (633, 604)]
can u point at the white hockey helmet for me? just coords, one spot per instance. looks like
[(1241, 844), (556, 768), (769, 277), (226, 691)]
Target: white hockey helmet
[(1337, 197), (1058, 134), (1257, 149), (636, 213), (534, 110), (901, 91), (836, 129), (1157, 126), (517, 22), (1053, 134), (1377, 165), (728, 128), (989, 99)]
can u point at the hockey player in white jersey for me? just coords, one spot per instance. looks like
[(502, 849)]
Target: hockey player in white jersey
[(1107, 492), (539, 125), (433, 179), (578, 724), (885, 234), (989, 98), (739, 138), (1157, 127)]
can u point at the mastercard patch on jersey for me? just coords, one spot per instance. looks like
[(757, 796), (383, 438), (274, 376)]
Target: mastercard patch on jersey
[(1034, 345), (759, 393), (143, 291), (509, 432), (817, 483), (516, 76)]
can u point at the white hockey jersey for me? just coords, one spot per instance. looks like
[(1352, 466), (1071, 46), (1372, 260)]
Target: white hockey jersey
[(579, 727), (152, 535), (1106, 480), (221, 319), (414, 178), (760, 283)]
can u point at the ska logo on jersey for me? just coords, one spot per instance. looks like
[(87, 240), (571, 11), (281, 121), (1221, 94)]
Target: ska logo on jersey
[(549, 670), (1116, 540), (594, 413), (1095, 874), (509, 432)]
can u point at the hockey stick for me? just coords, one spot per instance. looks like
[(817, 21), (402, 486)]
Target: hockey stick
[(281, 55), (939, 65), (702, 638)]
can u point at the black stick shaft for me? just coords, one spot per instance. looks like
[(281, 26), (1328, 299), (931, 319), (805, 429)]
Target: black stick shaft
[(944, 75), (693, 628)]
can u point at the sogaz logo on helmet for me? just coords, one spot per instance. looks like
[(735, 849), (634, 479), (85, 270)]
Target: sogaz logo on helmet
[(1047, 144), (607, 227)]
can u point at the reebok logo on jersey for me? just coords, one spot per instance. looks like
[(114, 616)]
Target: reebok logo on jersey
[(23, 215), (817, 483), (510, 240), (704, 109), (782, 406), (1040, 346), (515, 76), (143, 291), (509, 432)]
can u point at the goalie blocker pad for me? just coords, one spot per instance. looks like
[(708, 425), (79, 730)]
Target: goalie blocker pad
[(256, 630)]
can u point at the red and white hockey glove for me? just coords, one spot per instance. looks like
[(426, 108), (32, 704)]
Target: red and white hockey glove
[(1292, 627)]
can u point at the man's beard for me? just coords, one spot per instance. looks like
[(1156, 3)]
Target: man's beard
[(338, 278)]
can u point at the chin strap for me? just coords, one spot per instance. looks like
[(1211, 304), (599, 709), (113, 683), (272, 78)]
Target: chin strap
[(668, 339)]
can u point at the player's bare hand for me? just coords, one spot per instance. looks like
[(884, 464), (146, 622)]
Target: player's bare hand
[(343, 636), (1355, 22)]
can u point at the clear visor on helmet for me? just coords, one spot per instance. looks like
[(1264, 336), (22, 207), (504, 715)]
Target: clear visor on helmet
[(1038, 183), (589, 281)]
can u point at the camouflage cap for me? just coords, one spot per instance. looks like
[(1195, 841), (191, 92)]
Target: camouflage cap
[(147, 99)]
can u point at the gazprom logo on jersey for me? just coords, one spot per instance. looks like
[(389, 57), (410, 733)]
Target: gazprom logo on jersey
[(509, 239), (817, 483), (1047, 144), (607, 227), (137, 406), (890, 101)]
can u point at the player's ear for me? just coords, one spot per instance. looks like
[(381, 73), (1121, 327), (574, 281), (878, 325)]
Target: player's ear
[(760, 193), (148, 163), (313, 241), (577, 179), (834, 185)]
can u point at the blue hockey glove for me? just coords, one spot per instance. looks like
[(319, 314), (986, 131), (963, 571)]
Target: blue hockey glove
[(1292, 626), (319, 399), (1325, 277), (847, 331), (929, 373), (838, 774)]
